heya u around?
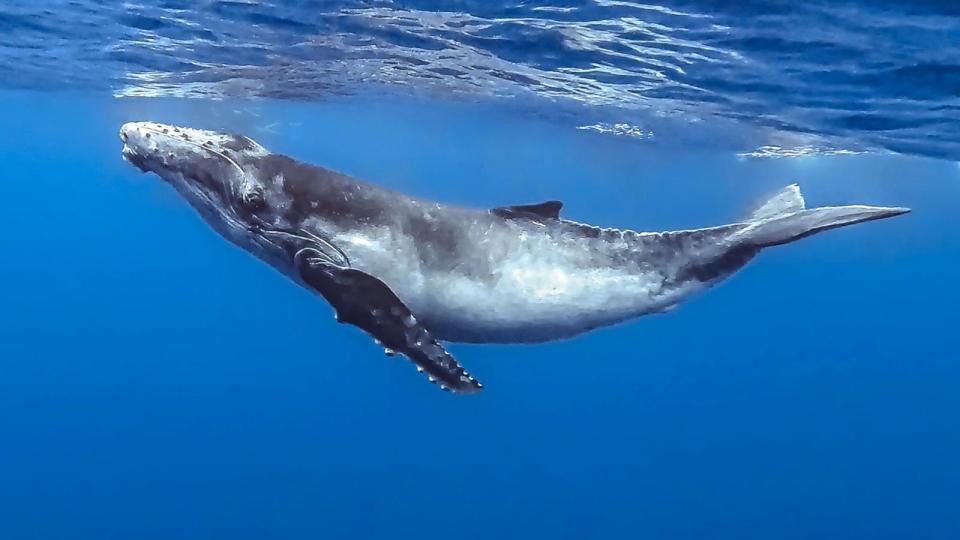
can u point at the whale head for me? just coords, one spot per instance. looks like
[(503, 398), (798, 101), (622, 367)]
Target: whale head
[(207, 167), (220, 175)]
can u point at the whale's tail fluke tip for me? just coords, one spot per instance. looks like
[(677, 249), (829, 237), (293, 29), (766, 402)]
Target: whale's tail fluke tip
[(784, 218)]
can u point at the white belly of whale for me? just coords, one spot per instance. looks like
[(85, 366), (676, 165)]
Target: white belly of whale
[(531, 304), (529, 296)]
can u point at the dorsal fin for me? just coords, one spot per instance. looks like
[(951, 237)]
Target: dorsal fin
[(544, 210)]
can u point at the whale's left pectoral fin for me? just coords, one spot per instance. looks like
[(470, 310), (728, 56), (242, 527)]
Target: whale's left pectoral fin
[(368, 303)]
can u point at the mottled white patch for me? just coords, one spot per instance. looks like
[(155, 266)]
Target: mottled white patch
[(514, 286), (213, 141)]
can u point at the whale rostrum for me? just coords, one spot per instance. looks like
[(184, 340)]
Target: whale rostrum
[(413, 273)]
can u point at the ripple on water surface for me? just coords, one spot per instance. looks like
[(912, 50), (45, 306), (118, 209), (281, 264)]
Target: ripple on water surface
[(856, 75)]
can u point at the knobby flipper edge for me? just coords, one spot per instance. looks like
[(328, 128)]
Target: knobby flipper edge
[(368, 303)]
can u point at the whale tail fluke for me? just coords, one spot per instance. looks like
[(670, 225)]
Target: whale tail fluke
[(784, 218)]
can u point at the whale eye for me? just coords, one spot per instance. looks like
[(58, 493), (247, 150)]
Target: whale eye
[(253, 199)]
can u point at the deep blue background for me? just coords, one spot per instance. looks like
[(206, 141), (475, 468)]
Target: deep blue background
[(156, 382)]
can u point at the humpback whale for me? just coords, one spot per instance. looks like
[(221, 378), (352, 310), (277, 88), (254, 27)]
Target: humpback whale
[(413, 273)]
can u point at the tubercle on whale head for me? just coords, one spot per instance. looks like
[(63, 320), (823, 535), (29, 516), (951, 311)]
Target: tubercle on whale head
[(166, 149), (217, 173)]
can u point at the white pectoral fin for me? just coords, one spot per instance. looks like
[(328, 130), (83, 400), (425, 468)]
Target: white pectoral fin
[(367, 303)]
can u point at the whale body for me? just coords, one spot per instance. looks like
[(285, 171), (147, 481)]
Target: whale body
[(413, 272)]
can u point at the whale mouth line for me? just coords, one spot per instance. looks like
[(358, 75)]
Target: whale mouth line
[(331, 251)]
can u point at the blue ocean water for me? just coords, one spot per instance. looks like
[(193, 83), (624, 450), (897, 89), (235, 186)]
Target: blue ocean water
[(157, 382)]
